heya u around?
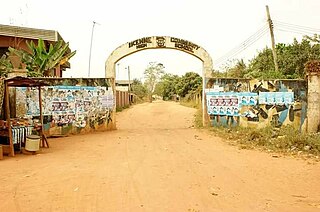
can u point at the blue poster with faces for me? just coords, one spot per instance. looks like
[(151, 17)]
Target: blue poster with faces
[(276, 98), (248, 98)]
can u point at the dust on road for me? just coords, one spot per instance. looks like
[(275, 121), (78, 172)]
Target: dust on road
[(156, 161)]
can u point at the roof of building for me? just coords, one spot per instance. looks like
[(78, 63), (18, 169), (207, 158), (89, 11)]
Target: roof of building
[(24, 82), (123, 82), (31, 33)]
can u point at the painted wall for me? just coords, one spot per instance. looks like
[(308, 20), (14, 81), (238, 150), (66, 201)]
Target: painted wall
[(257, 103), (70, 106)]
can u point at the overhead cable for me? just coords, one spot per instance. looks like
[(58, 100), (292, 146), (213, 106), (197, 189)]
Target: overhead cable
[(296, 26), (244, 45)]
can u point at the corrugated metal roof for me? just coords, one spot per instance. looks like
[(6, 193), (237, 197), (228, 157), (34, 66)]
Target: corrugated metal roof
[(31, 33)]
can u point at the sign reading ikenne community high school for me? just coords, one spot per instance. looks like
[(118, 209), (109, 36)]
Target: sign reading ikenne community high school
[(161, 42)]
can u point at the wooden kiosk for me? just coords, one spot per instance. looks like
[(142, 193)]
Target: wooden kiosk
[(21, 82)]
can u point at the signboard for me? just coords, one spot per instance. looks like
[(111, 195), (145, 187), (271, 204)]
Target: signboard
[(161, 42)]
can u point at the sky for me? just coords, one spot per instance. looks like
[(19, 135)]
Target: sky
[(226, 29)]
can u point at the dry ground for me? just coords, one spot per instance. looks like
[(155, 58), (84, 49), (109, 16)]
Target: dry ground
[(156, 161)]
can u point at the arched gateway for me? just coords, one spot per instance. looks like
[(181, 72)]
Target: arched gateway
[(161, 42)]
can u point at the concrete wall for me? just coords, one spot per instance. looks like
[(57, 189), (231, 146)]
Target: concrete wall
[(261, 114), (70, 105)]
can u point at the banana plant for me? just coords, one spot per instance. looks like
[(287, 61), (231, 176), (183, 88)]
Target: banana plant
[(5, 66), (39, 60)]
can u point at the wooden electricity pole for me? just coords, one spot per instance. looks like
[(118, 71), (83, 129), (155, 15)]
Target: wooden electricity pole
[(275, 60)]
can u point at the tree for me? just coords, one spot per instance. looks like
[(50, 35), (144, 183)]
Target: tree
[(237, 70), (166, 86), (291, 61), (40, 60), (138, 89), (152, 75), (190, 82)]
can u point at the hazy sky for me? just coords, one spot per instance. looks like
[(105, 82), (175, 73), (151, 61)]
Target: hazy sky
[(217, 26)]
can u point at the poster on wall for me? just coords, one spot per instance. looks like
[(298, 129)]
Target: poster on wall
[(229, 103), (248, 98), (219, 103), (276, 98), (69, 104)]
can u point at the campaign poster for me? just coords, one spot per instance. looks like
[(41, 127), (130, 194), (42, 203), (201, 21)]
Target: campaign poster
[(279, 98), (248, 98), (276, 98), (263, 98), (288, 97), (223, 103)]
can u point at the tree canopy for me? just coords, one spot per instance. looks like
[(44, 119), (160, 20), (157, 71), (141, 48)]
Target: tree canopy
[(138, 89), (152, 74), (291, 61), (170, 85)]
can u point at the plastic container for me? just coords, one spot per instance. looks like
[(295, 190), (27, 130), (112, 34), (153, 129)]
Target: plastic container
[(32, 143)]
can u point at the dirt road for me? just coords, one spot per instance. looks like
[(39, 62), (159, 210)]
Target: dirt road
[(156, 162)]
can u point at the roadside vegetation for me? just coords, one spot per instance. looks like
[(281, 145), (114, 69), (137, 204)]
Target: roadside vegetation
[(285, 140), (292, 58), (278, 140)]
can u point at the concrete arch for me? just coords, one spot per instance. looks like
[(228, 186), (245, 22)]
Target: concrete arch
[(158, 42), (161, 42)]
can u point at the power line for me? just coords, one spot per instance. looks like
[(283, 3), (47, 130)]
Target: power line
[(244, 45), (278, 25), (293, 31), (293, 28), (297, 26), (238, 50)]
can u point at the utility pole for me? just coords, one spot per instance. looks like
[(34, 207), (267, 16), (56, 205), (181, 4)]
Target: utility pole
[(94, 23), (129, 87), (275, 59)]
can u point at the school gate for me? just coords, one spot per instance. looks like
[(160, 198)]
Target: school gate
[(162, 42)]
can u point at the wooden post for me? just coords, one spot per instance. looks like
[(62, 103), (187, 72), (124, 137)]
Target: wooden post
[(41, 118), (7, 106), (275, 59), (42, 135)]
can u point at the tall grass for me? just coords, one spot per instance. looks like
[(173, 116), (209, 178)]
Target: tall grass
[(285, 139)]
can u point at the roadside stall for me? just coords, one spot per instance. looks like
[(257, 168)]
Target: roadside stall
[(17, 130)]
